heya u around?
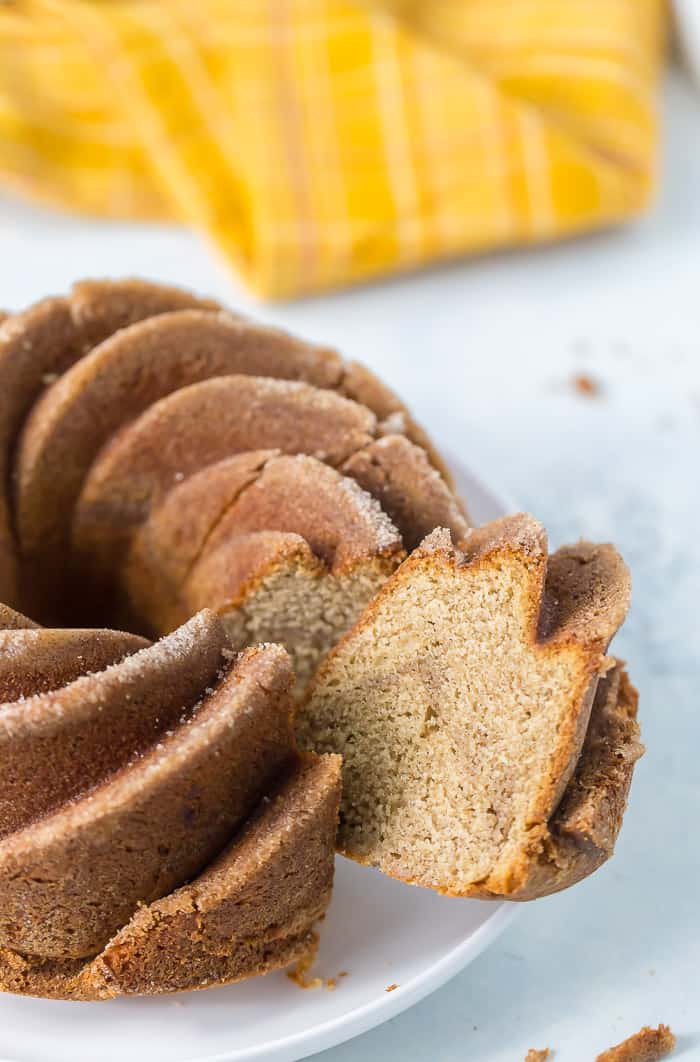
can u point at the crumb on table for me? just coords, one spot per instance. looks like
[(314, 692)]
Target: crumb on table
[(586, 385), (332, 982), (299, 973), (391, 988), (537, 1054), (647, 1045)]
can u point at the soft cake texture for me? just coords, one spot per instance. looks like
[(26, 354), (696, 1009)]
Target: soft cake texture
[(460, 703)]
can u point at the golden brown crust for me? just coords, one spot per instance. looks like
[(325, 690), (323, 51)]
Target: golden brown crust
[(582, 832), (133, 342), (361, 384), (224, 416), (69, 881), (647, 1045), (218, 510), (117, 381), (60, 743), (222, 509), (169, 543), (35, 661), (87, 983), (410, 489), (252, 910), (586, 595), (35, 346), (298, 515), (121, 785), (101, 307), (299, 494), (41, 343), (107, 353)]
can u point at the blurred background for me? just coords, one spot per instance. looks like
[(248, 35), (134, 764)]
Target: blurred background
[(495, 204)]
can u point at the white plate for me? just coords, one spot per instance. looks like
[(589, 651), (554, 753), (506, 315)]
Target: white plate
[(380, 931)]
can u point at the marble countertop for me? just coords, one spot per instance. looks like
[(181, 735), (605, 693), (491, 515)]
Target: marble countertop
[(487, 353)]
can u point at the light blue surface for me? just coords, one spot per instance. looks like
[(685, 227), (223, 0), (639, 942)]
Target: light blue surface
[(485, 353)]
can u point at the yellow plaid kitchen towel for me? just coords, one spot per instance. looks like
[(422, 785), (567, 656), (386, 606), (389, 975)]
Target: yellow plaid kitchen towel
[(324, 142)]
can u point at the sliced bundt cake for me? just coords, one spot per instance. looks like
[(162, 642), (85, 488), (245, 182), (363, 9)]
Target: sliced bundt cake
[(159, 830), (487, 739), (126, 783)]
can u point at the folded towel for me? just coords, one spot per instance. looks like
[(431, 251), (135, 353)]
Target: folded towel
[(324, 142)]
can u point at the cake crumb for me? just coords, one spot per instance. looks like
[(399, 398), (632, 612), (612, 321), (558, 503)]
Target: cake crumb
[(584, 384), (537, 1054), (647, 1045), (391, 988), (299, 974)]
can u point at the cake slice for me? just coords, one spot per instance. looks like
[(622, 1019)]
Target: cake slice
[(461, 703), (168, 544), (294, 559)]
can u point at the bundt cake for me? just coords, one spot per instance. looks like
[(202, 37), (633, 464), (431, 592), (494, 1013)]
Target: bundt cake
[(160, 799), (267, 513), (488, 741)]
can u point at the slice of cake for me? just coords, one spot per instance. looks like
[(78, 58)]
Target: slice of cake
[(461, 702)]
